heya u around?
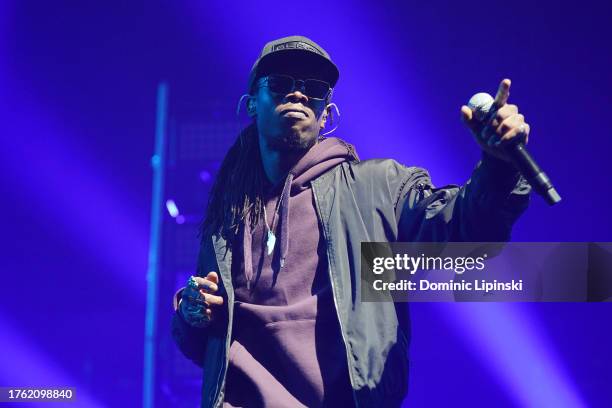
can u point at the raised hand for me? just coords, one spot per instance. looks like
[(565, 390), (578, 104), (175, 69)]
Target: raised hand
[(503, 126)]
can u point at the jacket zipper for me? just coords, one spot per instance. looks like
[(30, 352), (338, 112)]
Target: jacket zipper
[(221, 388), (331, 280), (216, 400), (420, 187), (218, 388)]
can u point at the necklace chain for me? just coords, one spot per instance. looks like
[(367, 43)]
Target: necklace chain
[(271, 238), (271, 227)]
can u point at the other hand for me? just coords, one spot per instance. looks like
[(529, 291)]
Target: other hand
[(199, 301)]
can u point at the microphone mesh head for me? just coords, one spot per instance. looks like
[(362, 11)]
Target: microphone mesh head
[(481, 104)]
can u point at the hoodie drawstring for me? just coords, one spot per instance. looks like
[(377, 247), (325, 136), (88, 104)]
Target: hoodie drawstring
[(284, 209), (246, 253)]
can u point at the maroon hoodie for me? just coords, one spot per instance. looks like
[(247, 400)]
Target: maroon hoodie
[(286, 348)]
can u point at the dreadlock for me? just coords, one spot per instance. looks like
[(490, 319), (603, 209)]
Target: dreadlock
[(237, 193)]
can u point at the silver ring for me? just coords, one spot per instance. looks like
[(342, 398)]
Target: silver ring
[(192, 283), (522, 128)]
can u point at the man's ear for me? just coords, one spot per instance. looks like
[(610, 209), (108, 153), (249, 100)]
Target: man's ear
[(252, 106)]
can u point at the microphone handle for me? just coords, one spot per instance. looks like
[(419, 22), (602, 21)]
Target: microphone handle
[(531, 171)]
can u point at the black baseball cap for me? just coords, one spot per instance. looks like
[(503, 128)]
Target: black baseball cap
[(296, 55)]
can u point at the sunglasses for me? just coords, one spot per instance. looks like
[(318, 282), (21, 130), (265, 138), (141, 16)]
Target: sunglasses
[(285, 84)]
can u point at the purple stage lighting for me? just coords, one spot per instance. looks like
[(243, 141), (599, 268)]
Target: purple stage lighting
[(507, 340)]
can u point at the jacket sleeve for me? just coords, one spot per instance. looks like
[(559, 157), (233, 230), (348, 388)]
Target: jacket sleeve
[(191, 340), (482, 210)]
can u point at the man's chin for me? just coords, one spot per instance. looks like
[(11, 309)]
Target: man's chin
[(295, 142)]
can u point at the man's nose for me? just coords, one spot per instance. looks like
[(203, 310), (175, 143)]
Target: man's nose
[(297, 96)]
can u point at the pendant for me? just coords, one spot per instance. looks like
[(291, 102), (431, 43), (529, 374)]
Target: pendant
[(270, 242)]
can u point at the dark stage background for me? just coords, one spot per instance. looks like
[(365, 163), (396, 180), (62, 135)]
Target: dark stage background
[(78, 87)]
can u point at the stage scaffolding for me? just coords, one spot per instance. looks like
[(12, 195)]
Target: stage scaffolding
[(191, 139)]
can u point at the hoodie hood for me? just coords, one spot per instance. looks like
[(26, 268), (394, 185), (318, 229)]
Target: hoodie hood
[(320, 158)]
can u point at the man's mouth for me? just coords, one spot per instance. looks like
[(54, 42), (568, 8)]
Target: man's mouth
[(294, 113)]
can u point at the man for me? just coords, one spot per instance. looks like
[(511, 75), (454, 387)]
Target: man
[(273, 315)]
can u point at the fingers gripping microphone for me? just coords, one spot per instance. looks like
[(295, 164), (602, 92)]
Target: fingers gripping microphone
[(481, 104)]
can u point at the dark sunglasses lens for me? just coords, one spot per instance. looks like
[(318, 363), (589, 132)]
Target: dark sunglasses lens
[(316, 89), (280, 84)]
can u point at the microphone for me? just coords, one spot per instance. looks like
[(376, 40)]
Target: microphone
[(481, 104)]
